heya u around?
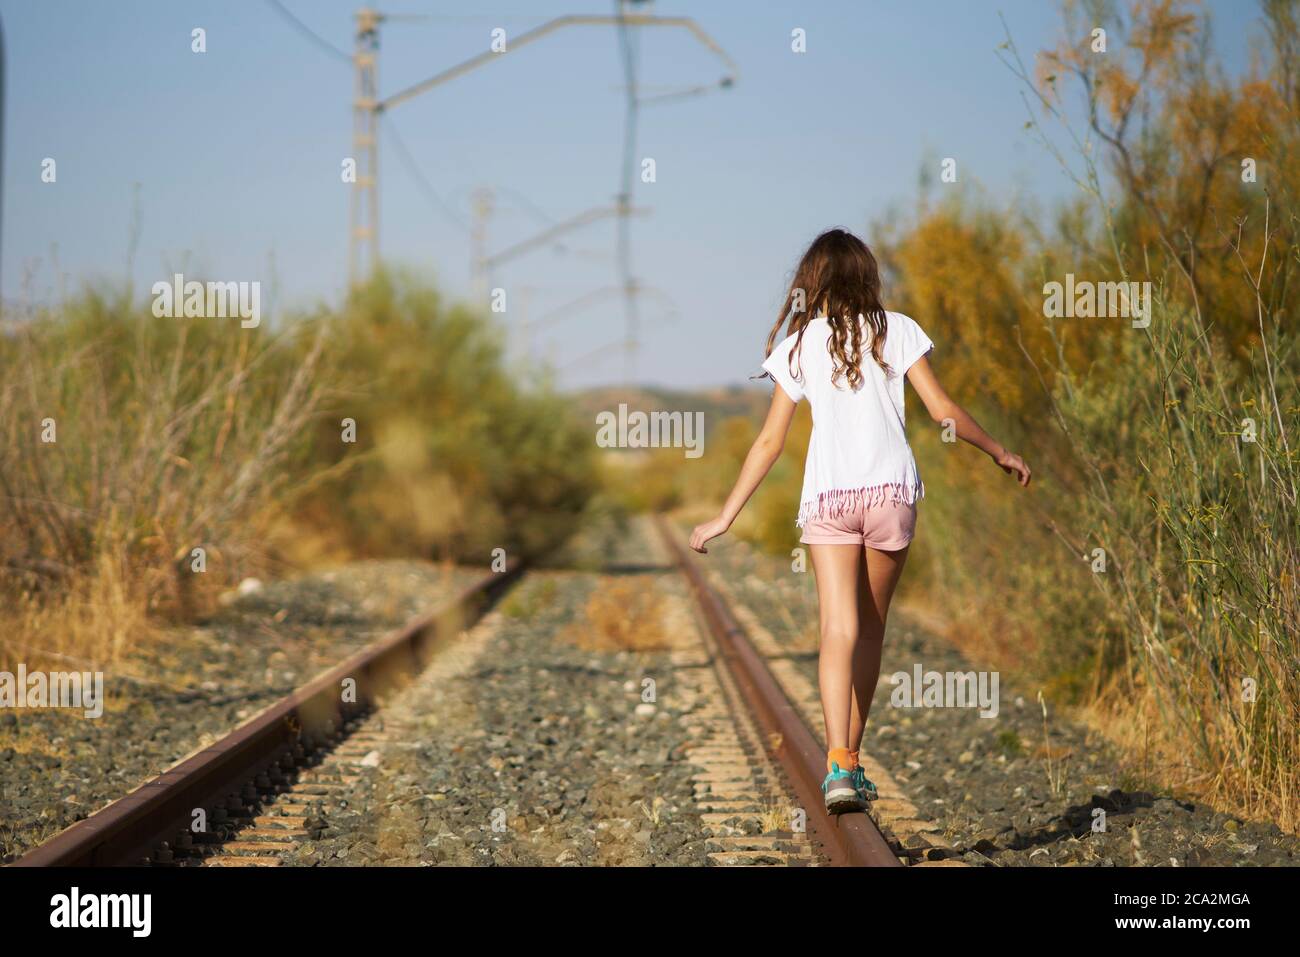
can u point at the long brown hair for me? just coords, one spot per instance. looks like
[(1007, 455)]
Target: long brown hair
[(837, 277)]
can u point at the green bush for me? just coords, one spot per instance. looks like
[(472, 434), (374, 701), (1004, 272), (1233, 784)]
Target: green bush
[(453, 456), (176, 434)]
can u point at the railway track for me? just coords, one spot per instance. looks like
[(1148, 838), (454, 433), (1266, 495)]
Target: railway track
[(269, 786), (849, 839), (190, 811)]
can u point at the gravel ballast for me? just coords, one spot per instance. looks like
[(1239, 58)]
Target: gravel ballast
[(196, 684), (534, 748)]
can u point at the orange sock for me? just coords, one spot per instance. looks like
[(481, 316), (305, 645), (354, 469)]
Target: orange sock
[(853, 760), (841, 756)]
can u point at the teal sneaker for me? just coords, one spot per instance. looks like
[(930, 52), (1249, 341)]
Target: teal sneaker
[(841, 792), (863, 785)]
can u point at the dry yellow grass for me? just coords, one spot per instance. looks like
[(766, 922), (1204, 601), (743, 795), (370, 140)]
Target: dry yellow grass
[(92, 625), (624, 615), (775, 818), (1157, 751)]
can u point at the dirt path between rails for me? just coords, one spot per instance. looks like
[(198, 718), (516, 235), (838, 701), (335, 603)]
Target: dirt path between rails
[(531, 740)]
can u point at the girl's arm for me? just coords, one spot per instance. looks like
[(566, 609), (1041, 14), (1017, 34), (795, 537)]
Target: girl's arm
[(762, 455), (941, 407)]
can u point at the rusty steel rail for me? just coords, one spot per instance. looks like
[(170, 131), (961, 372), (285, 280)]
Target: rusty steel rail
[(844, 839), (132, 827)]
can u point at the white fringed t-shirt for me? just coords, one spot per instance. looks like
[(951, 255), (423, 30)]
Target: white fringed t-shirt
[(858, 452)]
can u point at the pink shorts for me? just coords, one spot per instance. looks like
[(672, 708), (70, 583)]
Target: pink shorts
[(886, 527)]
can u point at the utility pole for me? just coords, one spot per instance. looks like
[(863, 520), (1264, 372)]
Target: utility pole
[(363, 236), (483, 203), (368, 106), (627, 43), (525, 295)]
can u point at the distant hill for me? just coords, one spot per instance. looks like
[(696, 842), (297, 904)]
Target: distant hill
[(716, 404)]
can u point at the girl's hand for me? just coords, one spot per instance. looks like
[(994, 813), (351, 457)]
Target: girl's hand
[(710, 529), (1013, 464)]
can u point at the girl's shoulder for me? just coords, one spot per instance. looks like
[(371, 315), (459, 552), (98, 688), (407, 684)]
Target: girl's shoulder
[(815, 327), (901, 323), (895, 322), (905, 340)]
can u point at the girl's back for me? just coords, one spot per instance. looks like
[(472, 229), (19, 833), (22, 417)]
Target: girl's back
[(858, 453)]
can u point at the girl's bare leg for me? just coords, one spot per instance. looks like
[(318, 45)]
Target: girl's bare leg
[(877, 578), (836, 567)]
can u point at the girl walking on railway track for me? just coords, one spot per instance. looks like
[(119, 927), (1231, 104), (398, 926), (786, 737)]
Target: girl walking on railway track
[(848, 356)]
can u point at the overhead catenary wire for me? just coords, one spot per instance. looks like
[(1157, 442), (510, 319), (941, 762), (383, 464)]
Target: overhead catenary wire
[(309, 33), (404, 154), (435, 199), (526, 204), (432, 195), (370, 105), (629, 52)]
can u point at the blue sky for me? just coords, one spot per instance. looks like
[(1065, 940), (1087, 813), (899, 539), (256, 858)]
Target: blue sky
[(237, 151)]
